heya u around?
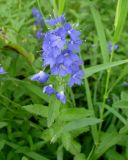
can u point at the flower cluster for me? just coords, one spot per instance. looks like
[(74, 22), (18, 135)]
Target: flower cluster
[(39, 22), (60, 47), (38, 17)]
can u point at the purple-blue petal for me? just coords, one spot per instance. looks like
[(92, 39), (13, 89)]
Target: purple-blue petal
[(39, 35), (38, 17), (61, 97), (76, 78), (54, 21), (48, 90), (40, 77), (2, 71)]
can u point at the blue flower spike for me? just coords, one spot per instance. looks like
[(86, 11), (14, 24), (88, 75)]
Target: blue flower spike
[(48, 90), (60, 49), (41, 77), (61, 97)]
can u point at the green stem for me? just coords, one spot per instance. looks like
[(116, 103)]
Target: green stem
[(91, 153), (90, 106), (106, 89), (39, 6), (55, 8)]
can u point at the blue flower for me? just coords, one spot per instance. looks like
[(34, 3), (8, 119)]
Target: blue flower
[(60, 96), (38, 17), (74, 34), (60, 69), (39, 35), (48, 59), (116, 46), (76, 78), (75, 66), (2, 71), (54, 21), (40, 77), (67, 57), (54, 38), (48, 89), (74, 45)]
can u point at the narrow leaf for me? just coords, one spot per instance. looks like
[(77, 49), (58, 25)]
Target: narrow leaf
[(101, 34), (120, 18), (94, 69)]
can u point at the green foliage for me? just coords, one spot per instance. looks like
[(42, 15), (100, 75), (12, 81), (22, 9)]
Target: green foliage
[(93, 124)]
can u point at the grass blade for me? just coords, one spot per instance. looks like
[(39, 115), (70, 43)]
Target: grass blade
[(92, 70), (120, 18), (101, 34)]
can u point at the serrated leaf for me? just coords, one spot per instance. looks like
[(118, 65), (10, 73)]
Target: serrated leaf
[(122, 104), (76, 124), (107, 140), (37, 109), (53, 110), (69, 114), (71, 145)]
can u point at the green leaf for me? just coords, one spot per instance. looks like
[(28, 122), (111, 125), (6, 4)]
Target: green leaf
[(80, 156), (120, 18), (114, 155), (76, 124), (26, 151), (116, 113), (122, 104), (36, 90), (61, 7), (20, 50), (101, 34), (24, 158), (60, 153), (3, 124), (71, 145), (35, 156), (2, 143), (69, 114), (37, 109), (92, 70), (124, 129), (107, 140), (53, 110)]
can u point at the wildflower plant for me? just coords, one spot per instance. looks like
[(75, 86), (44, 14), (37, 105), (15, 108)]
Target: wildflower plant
[(60, 49), (56, 121)]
